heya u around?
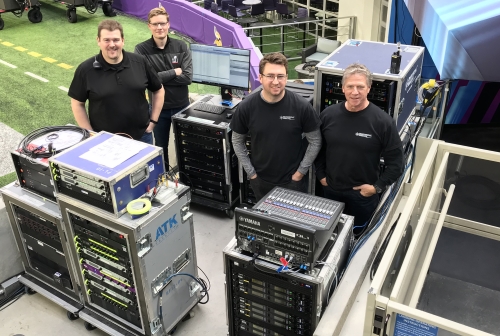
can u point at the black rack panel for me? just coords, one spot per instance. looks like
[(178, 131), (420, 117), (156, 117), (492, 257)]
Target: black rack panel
[(105, 260), (263, 303)]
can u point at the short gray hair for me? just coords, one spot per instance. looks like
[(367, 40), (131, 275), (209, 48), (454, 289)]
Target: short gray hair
[(357, 68)]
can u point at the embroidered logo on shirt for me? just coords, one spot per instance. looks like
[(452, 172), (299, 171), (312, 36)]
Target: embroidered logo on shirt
[(287, 117), (364, 135), (175, 59)]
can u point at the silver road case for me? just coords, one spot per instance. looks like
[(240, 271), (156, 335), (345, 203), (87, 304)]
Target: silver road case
[(125, 265), (41, 239), (394, 93)]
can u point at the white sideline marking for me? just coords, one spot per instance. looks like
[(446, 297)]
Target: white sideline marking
[(63, 88), (8, 64), (37, 77)]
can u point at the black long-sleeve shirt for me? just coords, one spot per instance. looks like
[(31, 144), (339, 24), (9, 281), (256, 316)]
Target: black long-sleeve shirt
[(176, 54), (353, 143)]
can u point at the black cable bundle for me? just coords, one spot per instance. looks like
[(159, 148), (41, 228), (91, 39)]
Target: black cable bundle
[(4, 303), (90, 6), (22, 5), (41, 152)]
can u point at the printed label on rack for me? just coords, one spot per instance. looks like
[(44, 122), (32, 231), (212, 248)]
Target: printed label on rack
[(151, 168), (288, 233), (407, 326)]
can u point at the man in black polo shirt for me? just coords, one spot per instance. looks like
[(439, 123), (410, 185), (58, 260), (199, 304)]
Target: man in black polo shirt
[(171, 59), (276, 119), (356, 134), (114, 82)]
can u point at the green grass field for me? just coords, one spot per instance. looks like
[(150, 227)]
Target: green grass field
[(44, 49)]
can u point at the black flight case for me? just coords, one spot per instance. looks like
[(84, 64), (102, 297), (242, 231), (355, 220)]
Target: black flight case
[(206, 159)]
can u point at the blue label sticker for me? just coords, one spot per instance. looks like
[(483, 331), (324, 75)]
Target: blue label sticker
[(354, 43), (407, 326), (330, 64)]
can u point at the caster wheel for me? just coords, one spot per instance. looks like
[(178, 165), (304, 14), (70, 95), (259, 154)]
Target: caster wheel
[(71, 14), (171, 332), (107, 9), (35, 15), (71, 316), (89, 326), (2, 23), (30, 291), (230, 213)]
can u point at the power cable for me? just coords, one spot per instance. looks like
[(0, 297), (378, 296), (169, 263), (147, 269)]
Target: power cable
[(27, 148)]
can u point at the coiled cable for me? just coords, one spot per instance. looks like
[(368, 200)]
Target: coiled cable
[(27, 148)]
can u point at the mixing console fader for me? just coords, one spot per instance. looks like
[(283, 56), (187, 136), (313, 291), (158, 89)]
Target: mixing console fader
[(288, 223)]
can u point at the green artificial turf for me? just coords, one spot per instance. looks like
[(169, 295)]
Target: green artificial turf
[(27, 103), (6, 179)]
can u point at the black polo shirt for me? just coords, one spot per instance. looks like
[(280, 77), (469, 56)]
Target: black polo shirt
[(116, 93)]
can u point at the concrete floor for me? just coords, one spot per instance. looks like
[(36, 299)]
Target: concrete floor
[(34, 315)]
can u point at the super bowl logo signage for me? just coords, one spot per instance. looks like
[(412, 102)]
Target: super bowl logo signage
[(166, 229)]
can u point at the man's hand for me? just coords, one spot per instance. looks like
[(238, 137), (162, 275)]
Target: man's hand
[(253, 177), (150, 128), (323, 182), (366, 190), (178, 71), (297, 176)]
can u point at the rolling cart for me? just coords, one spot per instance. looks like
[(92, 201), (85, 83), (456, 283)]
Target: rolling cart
[(90, 5), (206, 158), (18, 6)]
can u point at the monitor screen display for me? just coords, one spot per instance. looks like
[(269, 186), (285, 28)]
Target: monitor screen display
[(220, 66)]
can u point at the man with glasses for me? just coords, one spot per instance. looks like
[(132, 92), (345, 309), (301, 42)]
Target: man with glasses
[(276, 119), (171, 59), (356, 133), (114, 82)]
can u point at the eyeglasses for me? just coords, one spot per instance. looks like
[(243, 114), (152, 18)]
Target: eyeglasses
[(271, 77), (158, 24)]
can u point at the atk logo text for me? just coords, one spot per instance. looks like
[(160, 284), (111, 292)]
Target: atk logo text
[(166, 229)]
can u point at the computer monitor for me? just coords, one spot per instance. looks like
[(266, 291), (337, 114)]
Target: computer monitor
[(227, 68)]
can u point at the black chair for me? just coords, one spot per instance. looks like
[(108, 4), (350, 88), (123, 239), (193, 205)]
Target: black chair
[(301, 13), (225, 6), (269, 5), (283, 10), (207, 4), (240, 6), (257, 10), (219, 4), (214, 9), (234, 13)]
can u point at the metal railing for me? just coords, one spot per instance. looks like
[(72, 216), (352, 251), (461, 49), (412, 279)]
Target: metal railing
[(291, 36)]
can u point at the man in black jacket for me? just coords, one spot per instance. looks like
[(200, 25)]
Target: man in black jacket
[(171, 58), (356, 134)]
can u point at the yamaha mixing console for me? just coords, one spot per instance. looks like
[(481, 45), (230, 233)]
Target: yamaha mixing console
[(287, 223)]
